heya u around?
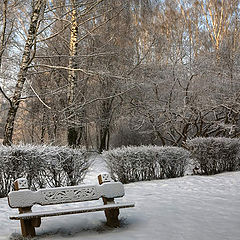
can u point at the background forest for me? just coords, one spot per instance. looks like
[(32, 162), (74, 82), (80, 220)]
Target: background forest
[(105, 73)]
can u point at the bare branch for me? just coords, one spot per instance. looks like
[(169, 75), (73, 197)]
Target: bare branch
[(5, 96), (39, 97)]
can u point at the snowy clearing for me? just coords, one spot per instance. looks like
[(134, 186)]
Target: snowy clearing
[(187, 208)]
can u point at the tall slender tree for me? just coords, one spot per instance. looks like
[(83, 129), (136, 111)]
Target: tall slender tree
[(72, 75), (27, 57)]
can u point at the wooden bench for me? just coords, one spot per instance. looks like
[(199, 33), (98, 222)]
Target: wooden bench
[(23, 199)]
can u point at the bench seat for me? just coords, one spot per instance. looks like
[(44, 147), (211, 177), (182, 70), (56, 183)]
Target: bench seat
[(60, 212)]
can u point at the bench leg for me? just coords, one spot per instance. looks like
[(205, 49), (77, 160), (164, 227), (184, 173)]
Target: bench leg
[(27, 225), (36, 222), (111, 214), (112, 217), (28, 229)]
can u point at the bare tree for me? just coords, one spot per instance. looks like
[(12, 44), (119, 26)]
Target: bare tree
[(3, 33), (27, 57), (72, 75)]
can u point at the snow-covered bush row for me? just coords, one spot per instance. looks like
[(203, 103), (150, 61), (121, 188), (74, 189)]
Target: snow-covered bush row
[(43, 166), (131, 164), (215, 155)]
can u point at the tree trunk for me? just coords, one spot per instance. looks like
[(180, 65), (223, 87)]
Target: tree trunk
[(26, 60), (104, 139), (3, 34), (72, 131)]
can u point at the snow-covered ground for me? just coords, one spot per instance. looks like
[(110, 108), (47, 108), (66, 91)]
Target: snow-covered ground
[(188, 208)]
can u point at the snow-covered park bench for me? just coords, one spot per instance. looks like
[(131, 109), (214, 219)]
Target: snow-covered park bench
[(23, 199)]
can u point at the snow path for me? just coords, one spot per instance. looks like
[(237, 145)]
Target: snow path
[(187, 208), (98, 166)]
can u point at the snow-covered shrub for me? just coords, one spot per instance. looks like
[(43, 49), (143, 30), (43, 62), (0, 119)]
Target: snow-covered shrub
[(131, 164), (5, 182), (215, 155), (64, 166), (173, 161), (43, 166)]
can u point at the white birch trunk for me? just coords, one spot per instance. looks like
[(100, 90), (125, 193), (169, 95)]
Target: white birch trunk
[(72, 132), (25, 62)]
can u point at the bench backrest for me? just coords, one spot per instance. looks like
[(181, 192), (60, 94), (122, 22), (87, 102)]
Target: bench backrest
[(27, 198)]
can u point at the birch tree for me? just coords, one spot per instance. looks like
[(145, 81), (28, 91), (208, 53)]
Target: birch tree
[(7, 28), (73, 44), (218, 16), (3, 32), (27, 57)]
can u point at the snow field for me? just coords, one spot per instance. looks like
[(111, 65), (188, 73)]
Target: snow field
[(187, 208)]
